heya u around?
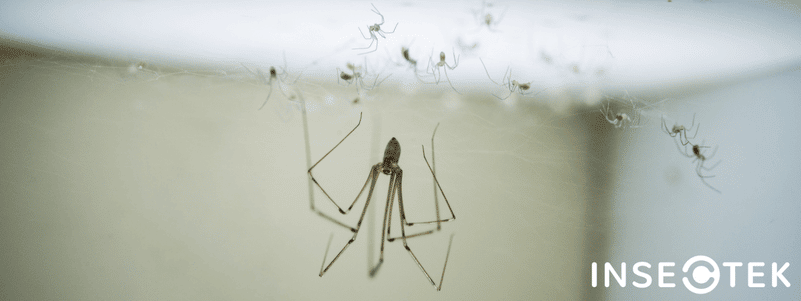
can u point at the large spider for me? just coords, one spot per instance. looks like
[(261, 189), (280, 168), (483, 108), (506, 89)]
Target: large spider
[(388, 166)]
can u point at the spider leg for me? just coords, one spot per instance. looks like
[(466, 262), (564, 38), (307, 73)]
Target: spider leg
[(691, 127), (447, 254), (333, 220), (710, 186), (703, 177), (436, 202), (455, 61), (366, 37), (449, 81), (453, 216), (375, 10), (328, 246), (282, 87), (374, 40), (388, 221), (605, 111), (379, 82), (399, 181), (434, 171), (268, 96), (486, 71), (393, 29), (683, 152), (326, 155), (504, 98), (391, 191), (417, 75), (711, 167), (687, 138), (374, 172), (360, 191), (437, 74)]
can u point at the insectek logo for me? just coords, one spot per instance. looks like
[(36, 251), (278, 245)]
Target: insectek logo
[(705, 274)]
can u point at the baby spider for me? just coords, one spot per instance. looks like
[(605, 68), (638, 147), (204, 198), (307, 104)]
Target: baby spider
[(509, 83), (486, 18), (405, 53), (388, 166), (373, 30), (273, 77), (436, 69), (699, 158), (620, 120), (680, 131), (412, 64), (357, 76)]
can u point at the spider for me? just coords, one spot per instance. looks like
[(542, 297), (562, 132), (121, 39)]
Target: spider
[(412, 64), (680, 131), (373, 30), (699, 158), (388, 166), (435, 68), (357, 76), (273, 77), (487, 18), (405, 53), (621, 120), (509, 83)]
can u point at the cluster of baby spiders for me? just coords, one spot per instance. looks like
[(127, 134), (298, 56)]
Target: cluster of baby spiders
[(388, 166), (679, 133)]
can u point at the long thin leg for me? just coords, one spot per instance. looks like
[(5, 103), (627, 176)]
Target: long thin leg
[(268, 96), (449, 81), (385, 226), (434, 169), (687, 138), (375, 10), (453, 216), (374, 172), (403, 232), (703, 178), (364, 36), (388, 217), (326, 252), (446, 264), (326, 154), (393, 29), (371, 51), (308, 148), (487, 71)]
